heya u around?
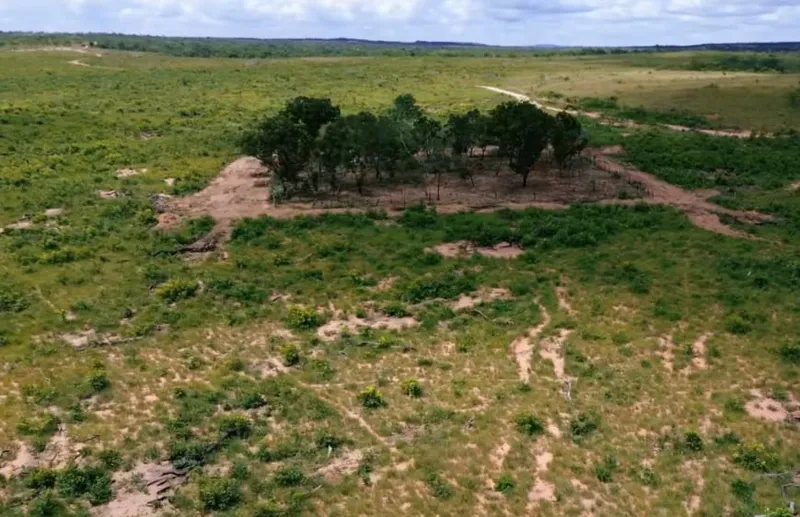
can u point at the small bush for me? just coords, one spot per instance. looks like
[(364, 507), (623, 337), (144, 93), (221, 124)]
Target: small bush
[(304, 318), (742, 490), (729, 438), (737, 325), (583, 425), (605, 471), (790, 353), (218, 494), (411, 388), (396, 310), (289, 476), (291, 355), (648, 477), (111, 459), (440, 489), (693, 442), (40, 479), (12, 300), (371, 398), (234, 426), (756, 457), (529, 424), (98, 381), (505, 484), (252, 400), (327, 440), (74, 482), (175, 290)]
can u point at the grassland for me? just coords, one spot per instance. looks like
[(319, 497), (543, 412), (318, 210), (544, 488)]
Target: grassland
[(219, 366)]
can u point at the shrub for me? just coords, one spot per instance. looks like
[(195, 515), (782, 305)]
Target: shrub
[(111, 459), (729, 438), (253, 400), (11, 300), (289, 476), (583, 425), (412, 388), (291, 355), (98, 381), (448, 285), (40, 478), (190, 453), (218, 494), (742, 490), (505, 484), (755, 457), (396, 310), (234, 426), (693, 442), (605, 470), (439, 487), (74, 482), (737, 325), (327, 440), (47, 506), (371, 398), (43, 426), (529, 424), (304, 318), (790, 353), (648, 477), (240, 471), (175, 290)]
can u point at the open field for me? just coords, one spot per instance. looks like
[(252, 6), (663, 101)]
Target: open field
[(585, 346)]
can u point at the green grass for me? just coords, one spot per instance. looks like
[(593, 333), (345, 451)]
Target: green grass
[(208, 376)]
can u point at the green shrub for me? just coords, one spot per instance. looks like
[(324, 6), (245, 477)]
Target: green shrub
[(529, 424), (756, 457), (291, 355), (729, 438), (175, 290), (218, 494), (396, 310), (289, 476), (252, 400), (743, 490), (111, 459), (692, 442), (648, 477), (505, 484), (46, 505), (235, 426), (411, 388), (584, 424), (304, 318), (74, 482), (40, 478), (371, 398), (440, 489), (184, 453), (43, 426), (12, 300), (605, 470), (736, 324), (447, 286), (325, 439), (98, 381), (790, 353)]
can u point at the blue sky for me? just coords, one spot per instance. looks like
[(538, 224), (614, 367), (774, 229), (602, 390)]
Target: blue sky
[(506, 22)]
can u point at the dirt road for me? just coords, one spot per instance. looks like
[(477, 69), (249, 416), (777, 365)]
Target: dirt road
[(734, 133)]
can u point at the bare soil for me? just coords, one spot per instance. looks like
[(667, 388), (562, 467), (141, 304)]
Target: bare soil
[(352, 324), (523, 349)]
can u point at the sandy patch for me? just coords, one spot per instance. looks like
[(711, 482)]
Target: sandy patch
[(108, 194), (563, 300), (137, 493), (24, 459), (542, 490), (484, 295), (522, 348), (765, 408), (699, 352), (341, 466), (794, 186), (170, 182), (665, 351), (502, 250), (694, 471), (89, 337), (127, 173), (334, 328), (551, 349), (499, 454), (270, 367), (386, 283), (553, 429), (20, 225), (53, 212)]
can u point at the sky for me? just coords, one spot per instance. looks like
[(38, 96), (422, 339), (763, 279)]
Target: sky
[(500, 22)]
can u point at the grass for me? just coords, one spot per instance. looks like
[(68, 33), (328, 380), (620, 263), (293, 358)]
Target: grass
[(215, 373)]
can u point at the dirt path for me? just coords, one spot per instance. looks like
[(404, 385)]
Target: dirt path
[(700, 211), (78, 62), (743, 133)]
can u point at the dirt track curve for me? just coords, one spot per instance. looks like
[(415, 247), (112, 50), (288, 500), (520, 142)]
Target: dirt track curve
[(744, 133)]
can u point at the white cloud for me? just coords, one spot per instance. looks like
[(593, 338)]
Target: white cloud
[(520, 22)]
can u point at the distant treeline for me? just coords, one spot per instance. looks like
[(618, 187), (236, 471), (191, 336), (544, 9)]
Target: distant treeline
[(253, 48)]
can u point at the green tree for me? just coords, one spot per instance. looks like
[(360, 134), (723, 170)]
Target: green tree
[(463, 131), (282, 143), (313, 113), (522, 131), (568, 139)]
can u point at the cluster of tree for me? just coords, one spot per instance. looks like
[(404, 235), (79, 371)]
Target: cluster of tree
[(310, 145)]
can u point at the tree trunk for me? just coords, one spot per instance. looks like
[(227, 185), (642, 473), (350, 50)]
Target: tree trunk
[(438, 185), (525, 177)]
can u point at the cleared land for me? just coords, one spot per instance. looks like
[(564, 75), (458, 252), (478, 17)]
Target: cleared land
[(610, 357)]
